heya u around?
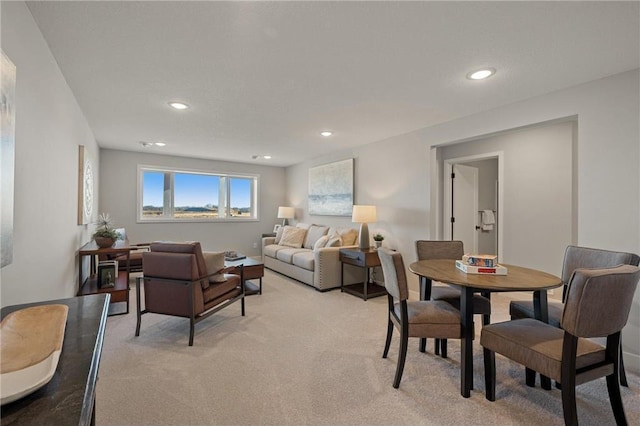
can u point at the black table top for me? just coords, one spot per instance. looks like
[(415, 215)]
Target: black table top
[(68, 399)]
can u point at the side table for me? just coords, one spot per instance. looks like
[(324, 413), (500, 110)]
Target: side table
[(253, 270), (366, 259), (89, 285)]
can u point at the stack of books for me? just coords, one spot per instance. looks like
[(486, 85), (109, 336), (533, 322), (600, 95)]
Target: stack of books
[(232, 255), (480, 264)]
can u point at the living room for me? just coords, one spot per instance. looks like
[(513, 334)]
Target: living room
[(398, 174)]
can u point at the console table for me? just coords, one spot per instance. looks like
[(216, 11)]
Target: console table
[(366, 259), (70, 397)]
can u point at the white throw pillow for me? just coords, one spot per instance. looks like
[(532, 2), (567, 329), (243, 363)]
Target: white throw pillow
[(279, 235), (322, 242), (292, 237), (313, 233), (214, 261), (334, 241)]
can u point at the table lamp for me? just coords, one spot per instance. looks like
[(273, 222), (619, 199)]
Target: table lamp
[(285, 213), (363, 215)]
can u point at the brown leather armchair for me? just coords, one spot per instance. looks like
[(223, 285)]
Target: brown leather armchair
[(176, 282)]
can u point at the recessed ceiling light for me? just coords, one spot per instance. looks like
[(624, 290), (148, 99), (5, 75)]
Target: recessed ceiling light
[(481, 74), (326, 134), (267, 157), (178, 105), (160, 144)]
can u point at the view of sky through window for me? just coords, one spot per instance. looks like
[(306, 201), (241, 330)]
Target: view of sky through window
[(194, 190)]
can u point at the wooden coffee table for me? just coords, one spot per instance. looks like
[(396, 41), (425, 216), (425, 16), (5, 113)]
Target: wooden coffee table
[(253, 270)]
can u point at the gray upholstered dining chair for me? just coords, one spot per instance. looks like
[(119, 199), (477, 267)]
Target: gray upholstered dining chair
[(574, 257), (597, 304), (424, 318), (426, 249)]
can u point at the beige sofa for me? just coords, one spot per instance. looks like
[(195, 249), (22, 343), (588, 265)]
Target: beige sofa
[(311, 255)]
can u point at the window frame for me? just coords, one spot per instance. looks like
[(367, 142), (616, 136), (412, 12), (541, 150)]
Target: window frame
[(224, 195)]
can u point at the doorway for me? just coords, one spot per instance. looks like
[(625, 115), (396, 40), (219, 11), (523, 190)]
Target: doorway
[(472, 202)]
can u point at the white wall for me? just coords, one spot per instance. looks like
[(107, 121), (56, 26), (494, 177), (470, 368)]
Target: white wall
[(537, 181), (118, 197), (49, 128), (396, 173)]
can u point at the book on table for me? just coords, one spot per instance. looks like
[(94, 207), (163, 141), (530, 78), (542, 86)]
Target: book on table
[(470, 269), (107, 273), (487, 260)]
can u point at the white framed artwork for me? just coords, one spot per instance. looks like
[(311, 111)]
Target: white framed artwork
[(331, 189)]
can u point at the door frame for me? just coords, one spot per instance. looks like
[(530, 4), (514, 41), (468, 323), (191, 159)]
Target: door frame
[(445, 201)]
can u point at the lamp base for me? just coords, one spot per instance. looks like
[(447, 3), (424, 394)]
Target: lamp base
[(363, 239)]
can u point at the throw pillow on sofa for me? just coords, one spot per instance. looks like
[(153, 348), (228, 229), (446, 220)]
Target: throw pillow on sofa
[(322, 242), (292, 237), (214, 261), (334, 241), (349, 235), (279, 235), (313, 234)]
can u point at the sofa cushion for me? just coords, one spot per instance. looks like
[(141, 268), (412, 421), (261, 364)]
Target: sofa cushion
[(214, 260), (286, 254), (313, 234), (292, 237), (304, 260), (322, 242)]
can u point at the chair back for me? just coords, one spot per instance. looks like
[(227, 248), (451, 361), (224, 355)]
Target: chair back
[(599, 300), (395, 278), (176, 261), (584, 257), (426, 249)]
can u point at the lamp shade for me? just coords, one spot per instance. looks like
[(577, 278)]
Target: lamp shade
[(364, 214), (286, 212)]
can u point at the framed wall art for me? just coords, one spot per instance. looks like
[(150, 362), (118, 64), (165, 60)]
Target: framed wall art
[(85, 187), (331, 189), (7, 158)]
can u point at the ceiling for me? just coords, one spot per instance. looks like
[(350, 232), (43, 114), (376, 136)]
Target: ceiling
[(265, 78)]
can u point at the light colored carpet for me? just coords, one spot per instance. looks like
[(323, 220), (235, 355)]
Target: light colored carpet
[(301, 357)]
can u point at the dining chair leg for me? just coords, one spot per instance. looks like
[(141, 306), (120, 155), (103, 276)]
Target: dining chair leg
[(615, 398), (568, 379), (489, 374), (613, 379), (545, 382), (389, 328), (436, 349), (422, 347), (443, 348), (623, 374), (530, 377), (402, 356)]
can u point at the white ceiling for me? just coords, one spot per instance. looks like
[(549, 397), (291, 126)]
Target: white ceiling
[(267, 77)]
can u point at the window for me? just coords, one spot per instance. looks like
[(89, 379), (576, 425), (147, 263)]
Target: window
[(181, 195)]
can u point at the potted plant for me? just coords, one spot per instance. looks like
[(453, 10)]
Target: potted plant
[(377, 240), (105, 235)]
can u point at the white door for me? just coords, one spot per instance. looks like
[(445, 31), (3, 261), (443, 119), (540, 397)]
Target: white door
[(464, 206)]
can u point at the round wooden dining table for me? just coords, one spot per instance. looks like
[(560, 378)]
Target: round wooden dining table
[(517, 279)]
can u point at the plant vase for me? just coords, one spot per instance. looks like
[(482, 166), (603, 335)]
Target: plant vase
[(377, 244), (104, 242)]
